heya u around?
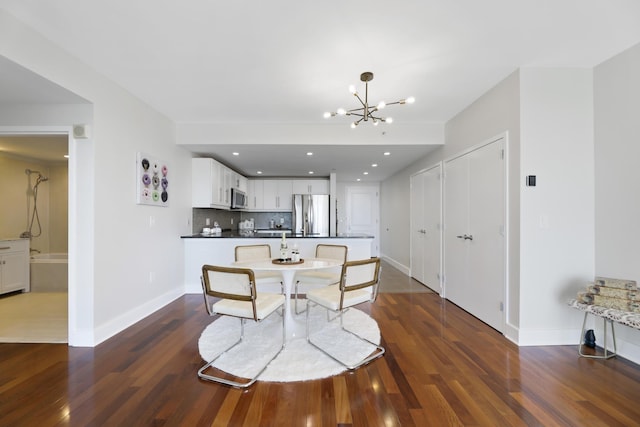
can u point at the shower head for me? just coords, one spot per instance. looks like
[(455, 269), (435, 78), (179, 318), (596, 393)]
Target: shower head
[(41, 178)]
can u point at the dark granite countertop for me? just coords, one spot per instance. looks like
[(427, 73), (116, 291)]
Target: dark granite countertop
[(235, 234)]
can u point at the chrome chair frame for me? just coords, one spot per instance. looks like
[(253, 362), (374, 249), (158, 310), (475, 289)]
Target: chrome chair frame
[(252, 296), (344, 287)]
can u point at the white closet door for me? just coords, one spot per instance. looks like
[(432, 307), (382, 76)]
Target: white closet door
[(456, 223), (486, 224), (417, 227), (433, 233), (474, 236)]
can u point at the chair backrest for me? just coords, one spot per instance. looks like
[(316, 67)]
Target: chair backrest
[(360, 274), (230, 283), (252, 252), (337, 252)]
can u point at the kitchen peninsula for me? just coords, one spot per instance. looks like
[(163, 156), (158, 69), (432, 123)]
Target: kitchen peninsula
[(219, 249)]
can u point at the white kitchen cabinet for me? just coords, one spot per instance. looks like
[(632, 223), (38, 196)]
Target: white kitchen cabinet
[(277, 195), (226, 179), (240, 182), (205, 188), (211, 183), (14, 265), (255, 195), (310, 186)]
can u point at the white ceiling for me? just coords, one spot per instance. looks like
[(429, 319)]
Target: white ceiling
[(287, 62)]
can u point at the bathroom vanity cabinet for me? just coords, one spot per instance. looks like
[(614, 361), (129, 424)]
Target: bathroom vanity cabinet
[(14, 265)]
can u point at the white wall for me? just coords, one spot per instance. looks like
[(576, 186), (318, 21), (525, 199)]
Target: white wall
[(115, 251), (395, 228), (556, 216), (617, 187)]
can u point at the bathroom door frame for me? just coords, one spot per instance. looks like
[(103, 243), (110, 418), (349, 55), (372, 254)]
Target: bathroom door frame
[(74, 300)]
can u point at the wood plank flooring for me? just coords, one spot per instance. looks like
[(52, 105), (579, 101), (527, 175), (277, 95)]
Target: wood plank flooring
[(443, 367)]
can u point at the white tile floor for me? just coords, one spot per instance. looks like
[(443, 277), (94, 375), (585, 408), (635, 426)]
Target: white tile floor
[(34, 317)]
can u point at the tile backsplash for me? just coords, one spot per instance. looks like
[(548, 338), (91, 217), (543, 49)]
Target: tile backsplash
[(229, 220)]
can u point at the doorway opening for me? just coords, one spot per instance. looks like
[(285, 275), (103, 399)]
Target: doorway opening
[(34, 175)]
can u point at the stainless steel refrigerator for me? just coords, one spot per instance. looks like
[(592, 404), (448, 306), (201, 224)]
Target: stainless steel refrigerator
[(310, 214)]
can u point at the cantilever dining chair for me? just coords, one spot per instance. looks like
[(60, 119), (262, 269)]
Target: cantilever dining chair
[(358, 284), (231, 291), (321, 278), (264, 279)]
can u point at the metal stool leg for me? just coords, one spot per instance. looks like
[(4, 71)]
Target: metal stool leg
[(607, 353)]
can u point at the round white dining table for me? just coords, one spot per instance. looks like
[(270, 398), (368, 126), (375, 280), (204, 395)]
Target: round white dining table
[(294, 328)]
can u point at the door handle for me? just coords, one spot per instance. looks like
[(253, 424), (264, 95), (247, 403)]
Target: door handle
[(465, 237)]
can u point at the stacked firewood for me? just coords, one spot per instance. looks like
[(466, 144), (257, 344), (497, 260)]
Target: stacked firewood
[(619, 294)]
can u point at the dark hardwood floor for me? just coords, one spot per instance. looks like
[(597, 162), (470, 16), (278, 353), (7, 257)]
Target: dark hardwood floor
[(442, 367)]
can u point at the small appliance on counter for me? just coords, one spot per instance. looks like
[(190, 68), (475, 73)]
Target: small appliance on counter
[(208, 231)]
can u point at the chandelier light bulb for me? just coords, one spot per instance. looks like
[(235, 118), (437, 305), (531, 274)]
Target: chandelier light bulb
[(327, 115), (389, 120), (353, 125), (381, 105), (352, 89), (341, 111), (375, 123)]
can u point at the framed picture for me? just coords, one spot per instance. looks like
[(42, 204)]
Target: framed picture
[(152, 175)]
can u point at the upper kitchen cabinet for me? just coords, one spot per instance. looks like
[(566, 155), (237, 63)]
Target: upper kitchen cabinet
[(277, 195), (211, 183), (255, 195), (310, 186), (240, 182)]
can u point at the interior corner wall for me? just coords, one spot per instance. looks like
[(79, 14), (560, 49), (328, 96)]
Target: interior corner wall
[(556, 216), (617, 187), (395, 214), (129, 255)]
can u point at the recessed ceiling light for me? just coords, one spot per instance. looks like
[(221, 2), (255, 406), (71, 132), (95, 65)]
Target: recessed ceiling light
[(386, 153), (358, 179), (374, 165), (309, 153), (365, 173), (259, 172), (310, 172), (235, 153)]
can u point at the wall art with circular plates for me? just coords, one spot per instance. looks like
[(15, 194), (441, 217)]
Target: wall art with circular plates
[(153, 180)]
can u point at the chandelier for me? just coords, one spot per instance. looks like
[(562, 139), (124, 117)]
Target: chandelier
[(367, 112)]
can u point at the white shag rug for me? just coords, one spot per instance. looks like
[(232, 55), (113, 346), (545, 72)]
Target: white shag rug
[(298, 361)]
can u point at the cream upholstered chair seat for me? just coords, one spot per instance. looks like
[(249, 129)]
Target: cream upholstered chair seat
[(328, 297), (264, 279), (321, 278), (358, 284), (231, 291)]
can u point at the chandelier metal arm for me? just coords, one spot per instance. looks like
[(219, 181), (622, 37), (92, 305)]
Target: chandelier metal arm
[(366, 112)]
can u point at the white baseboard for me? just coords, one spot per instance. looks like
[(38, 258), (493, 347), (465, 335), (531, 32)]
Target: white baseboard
[(122, 322), (403, 268), (543, 337)]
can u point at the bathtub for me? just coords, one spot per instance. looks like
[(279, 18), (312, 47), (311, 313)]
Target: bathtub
[(49, 272)]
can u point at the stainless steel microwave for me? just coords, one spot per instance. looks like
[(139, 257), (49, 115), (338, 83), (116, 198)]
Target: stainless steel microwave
[(238, 199)]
